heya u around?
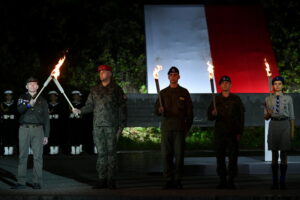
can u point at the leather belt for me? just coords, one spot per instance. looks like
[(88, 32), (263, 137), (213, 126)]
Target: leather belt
[(279, 118), (31, 125)]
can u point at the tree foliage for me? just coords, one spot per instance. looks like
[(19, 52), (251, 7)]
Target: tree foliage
[(35, 34)]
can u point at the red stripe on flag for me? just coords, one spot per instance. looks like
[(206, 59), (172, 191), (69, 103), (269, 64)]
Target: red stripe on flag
[(239, 42)]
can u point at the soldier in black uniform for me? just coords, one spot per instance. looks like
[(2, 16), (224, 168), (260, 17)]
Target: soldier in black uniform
[(9, 125), (176, 119), (229, 116), (76, 125), (33, 131), (56, 115)]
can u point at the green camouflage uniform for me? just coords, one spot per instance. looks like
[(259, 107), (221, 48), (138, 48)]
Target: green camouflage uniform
[(108, 105), (229, 123), (176, 121)]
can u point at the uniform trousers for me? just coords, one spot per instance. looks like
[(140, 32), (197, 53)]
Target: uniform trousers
[(172, 145), (30, 136), (105, 139)]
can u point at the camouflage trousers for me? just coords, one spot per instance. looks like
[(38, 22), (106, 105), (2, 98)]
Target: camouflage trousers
[(105, 139)]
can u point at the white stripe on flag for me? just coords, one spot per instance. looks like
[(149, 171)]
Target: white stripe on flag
[(177, 35)]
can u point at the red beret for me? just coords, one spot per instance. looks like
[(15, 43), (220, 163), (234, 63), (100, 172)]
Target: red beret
[(104, 67)]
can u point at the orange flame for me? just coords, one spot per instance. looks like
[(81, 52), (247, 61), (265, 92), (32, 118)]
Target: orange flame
[(210, 69), (268, 70), (156, 70), (55, 73)]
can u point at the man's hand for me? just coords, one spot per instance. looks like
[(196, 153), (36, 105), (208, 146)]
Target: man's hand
[(161, 110), (32, 102), (45, 140), (76, 111), (214, 112), (238, 137)]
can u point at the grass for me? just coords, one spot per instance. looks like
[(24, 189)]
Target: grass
[(199, 138)]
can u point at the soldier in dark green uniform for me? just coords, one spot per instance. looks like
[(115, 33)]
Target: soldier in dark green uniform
[(176, 119), (229, 116), (107, 101), (33, 132)]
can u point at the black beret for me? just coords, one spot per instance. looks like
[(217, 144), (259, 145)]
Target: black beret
[(278, 78), (224, 78), (32, 79), (173, 69)]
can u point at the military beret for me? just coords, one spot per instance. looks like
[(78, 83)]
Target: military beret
[(32, 79), (278, 78), (8, 92), (52, 92), (77, 92), (224, 78), (173, 69), (104, 67)]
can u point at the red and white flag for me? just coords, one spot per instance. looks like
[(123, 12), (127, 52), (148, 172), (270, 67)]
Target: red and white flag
[(234, 38)]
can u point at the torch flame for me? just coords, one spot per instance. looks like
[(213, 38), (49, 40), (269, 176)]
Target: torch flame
[(210, 69), (268, 70), (55, 73), (156, 70)]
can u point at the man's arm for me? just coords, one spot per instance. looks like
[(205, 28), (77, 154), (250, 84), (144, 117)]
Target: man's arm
[(190, 112), (88, 107)]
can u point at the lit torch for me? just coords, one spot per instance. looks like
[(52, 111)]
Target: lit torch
[(269, 74), (155, 76), (54, 74), (210, 70)]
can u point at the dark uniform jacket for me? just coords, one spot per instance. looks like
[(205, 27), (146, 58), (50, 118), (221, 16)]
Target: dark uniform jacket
[(178, 109), (230, 118), (38, 114), (108, 105)]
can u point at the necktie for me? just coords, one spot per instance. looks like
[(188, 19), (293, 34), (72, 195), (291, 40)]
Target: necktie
[(277, 104)]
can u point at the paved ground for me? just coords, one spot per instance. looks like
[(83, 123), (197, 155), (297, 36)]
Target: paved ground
[(69, 177)]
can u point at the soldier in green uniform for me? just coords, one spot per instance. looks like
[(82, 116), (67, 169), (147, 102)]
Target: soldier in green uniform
[(107, 101), (280, 109), (229, 125), (33, 132), (176, 114)]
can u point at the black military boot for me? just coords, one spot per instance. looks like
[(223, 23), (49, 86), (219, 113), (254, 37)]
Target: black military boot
[(178, 185), (275, 177), (169, 185), (230, 183), (283, 169), (111, 184), (101, 184), (222, 183)]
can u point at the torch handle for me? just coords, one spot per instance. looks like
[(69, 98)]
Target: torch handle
[(40, 92), (68, 101), (45, 85), (62, 91), (158, 92), (213, 93)]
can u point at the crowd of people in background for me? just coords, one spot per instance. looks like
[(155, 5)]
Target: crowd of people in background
[(66, 129)]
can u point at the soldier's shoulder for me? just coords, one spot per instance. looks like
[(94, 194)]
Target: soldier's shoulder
[(183, 89)]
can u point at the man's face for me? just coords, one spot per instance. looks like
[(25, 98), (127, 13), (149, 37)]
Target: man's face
[(53, 97), (76, 97), (8, 97), (105, 75), (225, 86), (174, 77), (32, 87), (277, 85)]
